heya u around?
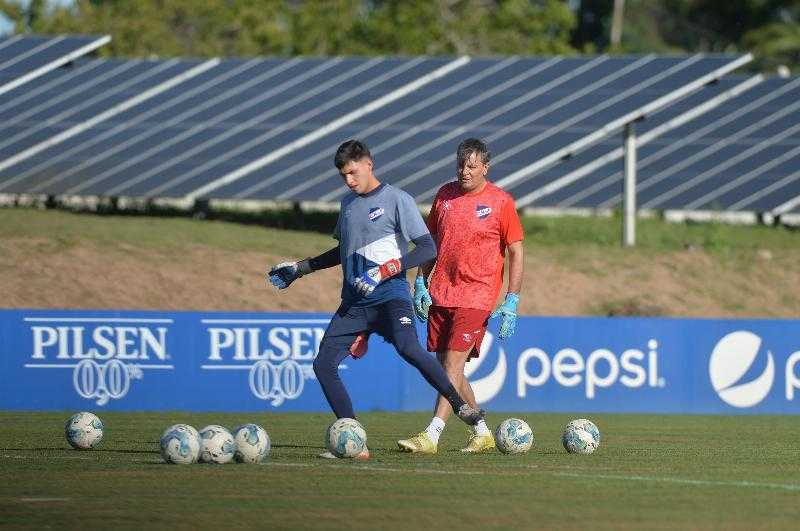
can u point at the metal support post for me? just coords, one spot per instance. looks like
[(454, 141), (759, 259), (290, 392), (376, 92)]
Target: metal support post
[(629, 206)]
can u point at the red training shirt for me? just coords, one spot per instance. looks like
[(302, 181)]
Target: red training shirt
[(471, 232)]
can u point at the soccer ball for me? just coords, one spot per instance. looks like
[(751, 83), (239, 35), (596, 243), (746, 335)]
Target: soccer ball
[(346, 438), (216, 445), (513, 436), (252, 443), (180, 444), (184, 428), (84, 430), (581, 436)]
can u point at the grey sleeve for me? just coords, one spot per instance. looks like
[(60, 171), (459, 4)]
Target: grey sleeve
[(337, 231), (410, 220)]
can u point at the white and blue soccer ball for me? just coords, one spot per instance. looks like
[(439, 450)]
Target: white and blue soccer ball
[(184, 428), (581, 436), (513, 436), (216, 445), (252, 443), (180, 444), (84, 430), (346, 438)]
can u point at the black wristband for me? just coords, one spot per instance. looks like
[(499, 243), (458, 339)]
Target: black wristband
[(304, 266)]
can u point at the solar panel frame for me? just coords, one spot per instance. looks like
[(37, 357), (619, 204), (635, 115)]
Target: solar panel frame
[(573, 173), (606, 192), (510, 181), (685, 160)]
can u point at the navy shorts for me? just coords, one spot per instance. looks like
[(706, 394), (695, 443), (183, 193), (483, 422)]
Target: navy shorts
[(393, 320)]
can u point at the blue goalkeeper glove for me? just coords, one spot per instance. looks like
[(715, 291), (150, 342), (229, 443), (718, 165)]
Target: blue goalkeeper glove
[(283, 274), (508, 315), (422, 299), (369, 279)]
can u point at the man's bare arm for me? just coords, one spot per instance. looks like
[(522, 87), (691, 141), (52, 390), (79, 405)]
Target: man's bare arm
[(515, 267)]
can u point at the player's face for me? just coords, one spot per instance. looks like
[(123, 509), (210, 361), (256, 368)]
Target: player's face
[(472, 174), (358, 176)]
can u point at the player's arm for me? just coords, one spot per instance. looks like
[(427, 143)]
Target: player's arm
[(425, 269), (516, 263), (512, 233), (424, 253), (282, 275), (508, 310)]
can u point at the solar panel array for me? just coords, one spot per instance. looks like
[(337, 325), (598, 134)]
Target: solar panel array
[(526, 109), (742, 155), (268, 128), (26, 57)]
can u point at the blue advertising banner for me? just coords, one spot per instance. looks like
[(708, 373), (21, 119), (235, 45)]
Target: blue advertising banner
[(203, 361)]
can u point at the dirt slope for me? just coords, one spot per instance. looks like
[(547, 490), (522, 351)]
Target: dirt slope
[(38, 273)]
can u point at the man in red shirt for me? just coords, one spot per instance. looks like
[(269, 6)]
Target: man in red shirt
[(474, 223)]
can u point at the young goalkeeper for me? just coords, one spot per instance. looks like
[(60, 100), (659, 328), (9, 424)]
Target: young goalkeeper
[(474, 224), (376, 223)]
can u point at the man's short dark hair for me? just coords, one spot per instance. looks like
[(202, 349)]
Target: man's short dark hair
[(351, 151), (470, 146)]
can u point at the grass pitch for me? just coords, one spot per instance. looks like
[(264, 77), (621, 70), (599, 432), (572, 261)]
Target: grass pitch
[(649, 472)]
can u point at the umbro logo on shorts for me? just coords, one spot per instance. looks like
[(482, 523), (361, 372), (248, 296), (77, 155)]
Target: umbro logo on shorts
[(483, 211), (405, 320), (467, 337), (375, 213)]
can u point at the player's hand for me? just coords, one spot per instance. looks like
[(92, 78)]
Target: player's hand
[(508, 315), (422, 299), (284, 274), (369, 280)]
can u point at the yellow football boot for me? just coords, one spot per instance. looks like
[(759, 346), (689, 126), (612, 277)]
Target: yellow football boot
[(418, 444), (479, 443)]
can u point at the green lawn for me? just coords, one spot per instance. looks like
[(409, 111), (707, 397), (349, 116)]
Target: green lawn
[(650, 472)]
